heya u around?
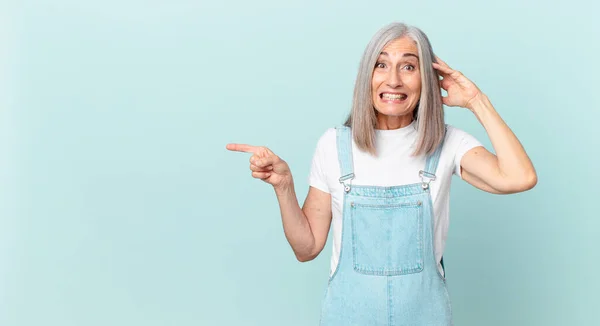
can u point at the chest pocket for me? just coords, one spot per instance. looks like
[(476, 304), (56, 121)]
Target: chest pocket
[(387, 239)]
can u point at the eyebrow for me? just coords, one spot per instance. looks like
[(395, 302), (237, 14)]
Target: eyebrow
[(404, 55)]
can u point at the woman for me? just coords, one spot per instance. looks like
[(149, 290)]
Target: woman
[(383, 178)]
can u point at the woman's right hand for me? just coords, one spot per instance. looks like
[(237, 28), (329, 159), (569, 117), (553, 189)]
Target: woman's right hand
[(265, 165), (306, 228)]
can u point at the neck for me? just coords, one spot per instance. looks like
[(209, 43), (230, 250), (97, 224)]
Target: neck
[(385, 122)]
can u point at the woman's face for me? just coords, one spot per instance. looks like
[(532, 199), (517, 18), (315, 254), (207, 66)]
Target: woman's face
[(396, 83)]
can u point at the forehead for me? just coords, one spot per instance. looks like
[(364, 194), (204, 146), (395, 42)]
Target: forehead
[(400, 46)]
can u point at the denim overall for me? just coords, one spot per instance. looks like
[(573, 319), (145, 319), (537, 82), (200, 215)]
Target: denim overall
[(387, 273)]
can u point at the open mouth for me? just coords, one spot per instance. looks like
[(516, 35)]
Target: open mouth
[(395, 97)]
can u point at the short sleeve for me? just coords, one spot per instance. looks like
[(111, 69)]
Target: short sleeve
[(317, 177), (465, 142)]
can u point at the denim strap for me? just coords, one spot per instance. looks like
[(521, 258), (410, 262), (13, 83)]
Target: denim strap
[(431, 164), (344, 148)]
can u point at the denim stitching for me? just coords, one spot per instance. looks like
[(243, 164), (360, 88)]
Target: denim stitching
[(419, 260)]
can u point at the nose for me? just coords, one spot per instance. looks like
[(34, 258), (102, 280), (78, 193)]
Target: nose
[(394, 79)]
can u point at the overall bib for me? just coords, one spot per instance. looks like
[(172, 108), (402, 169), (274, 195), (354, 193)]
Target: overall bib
[(387, 273)]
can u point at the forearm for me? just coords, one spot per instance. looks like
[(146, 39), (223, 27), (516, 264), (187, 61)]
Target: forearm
[(296, 227), (514, 164)]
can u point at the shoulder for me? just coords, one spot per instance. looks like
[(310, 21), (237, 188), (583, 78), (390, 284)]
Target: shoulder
[(453, 133), (327, 140), (457, 143), (456, 136), (329, 133)]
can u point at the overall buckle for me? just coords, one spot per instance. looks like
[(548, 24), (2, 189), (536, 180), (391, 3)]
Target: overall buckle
[(344, 178), (426, 178)]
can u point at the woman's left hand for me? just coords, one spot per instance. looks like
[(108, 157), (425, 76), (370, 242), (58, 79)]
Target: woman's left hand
[(461, 91)]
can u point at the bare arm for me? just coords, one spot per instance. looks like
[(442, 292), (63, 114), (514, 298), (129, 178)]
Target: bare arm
[(510, 170), (306, 228)]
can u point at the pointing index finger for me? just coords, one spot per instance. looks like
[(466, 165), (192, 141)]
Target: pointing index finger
[(242, 148)]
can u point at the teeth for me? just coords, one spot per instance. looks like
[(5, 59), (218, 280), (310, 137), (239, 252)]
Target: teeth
[(394, 96)]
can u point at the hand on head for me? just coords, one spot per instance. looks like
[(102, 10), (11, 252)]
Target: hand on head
[(461, 91)]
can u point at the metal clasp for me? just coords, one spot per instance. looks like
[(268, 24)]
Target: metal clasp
[(426, 178), (344, 178)]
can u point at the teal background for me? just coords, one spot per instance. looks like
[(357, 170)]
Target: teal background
[(119, 204)]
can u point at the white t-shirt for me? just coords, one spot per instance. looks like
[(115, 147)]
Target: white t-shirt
[(393, 166)]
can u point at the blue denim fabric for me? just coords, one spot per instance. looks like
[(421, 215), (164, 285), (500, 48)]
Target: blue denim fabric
[(387, 273)]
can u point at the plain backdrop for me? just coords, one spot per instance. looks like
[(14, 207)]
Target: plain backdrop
[(119, 204)]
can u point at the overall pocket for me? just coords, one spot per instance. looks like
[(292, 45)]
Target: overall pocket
[(387, 239)]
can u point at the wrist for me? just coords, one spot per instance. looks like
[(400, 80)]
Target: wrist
[(477, 103), (286, 186)]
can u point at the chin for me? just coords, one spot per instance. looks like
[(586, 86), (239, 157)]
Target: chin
[(394, 111)]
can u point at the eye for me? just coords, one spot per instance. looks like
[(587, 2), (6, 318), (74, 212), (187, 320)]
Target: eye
[(380, 65), (409, 67)]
